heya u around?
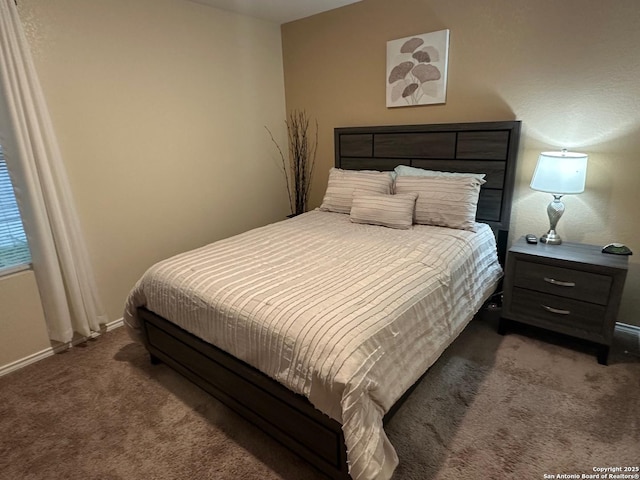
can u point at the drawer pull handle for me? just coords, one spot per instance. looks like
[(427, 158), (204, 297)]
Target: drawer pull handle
[(556, 310), (560, 283)]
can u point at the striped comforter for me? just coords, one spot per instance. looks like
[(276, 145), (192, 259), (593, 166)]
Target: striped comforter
[(348, 315)]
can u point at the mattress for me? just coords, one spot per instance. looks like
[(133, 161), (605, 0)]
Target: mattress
[(348, 315)]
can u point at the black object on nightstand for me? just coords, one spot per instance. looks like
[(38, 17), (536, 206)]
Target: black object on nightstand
[(571, 288)]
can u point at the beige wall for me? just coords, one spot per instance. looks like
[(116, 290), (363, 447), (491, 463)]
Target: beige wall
[(160, 108), (22, 329), (568, 69)]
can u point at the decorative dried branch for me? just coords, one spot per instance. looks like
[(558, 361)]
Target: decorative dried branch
[(298, 170)]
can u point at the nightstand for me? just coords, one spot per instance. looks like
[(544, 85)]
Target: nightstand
[(571, 288)]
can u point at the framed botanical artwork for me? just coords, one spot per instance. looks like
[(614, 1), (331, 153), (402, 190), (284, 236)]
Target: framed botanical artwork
[(417, 69)]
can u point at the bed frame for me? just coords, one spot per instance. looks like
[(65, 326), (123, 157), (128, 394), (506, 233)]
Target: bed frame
[(489, 147)]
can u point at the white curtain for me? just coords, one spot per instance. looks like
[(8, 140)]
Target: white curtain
[(61, 264)]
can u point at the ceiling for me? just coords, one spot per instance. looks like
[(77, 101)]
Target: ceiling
[(279, 11)]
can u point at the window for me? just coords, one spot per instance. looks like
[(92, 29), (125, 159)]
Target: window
[(14, 250)]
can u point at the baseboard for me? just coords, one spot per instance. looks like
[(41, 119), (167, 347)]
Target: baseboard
[(625, 327), (47, 352), (630, 335)]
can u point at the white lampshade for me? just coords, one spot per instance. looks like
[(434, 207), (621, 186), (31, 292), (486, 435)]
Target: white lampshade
[(560, 172)]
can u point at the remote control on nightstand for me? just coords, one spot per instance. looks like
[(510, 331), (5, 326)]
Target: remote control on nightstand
[(531, 238)]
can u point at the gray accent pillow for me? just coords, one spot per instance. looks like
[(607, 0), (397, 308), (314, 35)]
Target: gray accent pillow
[(406, 171)]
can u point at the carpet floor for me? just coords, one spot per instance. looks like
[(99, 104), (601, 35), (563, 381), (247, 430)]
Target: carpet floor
[(519, 406)]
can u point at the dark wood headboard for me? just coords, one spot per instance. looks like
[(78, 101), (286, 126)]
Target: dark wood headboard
[(486, 147)]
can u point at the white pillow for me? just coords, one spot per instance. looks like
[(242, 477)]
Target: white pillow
[(394, 211), (342, 184), (406, 171), (443, 201)]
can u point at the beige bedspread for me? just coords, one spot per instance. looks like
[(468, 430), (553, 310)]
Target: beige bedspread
[(348, 315)]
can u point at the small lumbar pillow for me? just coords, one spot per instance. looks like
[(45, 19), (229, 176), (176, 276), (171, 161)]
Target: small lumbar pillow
[(394, 211), (342, 184), (406, 171), (443, 201)]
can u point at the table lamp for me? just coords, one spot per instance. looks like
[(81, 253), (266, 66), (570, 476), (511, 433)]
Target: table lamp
[(558, 173)]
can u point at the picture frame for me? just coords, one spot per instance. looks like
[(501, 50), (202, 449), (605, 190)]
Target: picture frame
[(417, 69)]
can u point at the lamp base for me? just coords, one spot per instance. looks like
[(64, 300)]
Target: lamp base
[(554, 210), (551, 238)]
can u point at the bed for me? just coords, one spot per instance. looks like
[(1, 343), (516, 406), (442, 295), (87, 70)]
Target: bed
[(348, 316)]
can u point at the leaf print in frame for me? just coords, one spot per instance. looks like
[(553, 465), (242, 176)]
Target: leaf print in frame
[(417, 69)]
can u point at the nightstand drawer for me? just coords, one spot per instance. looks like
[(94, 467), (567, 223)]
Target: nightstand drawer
[(552, 310), (564, 282)]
